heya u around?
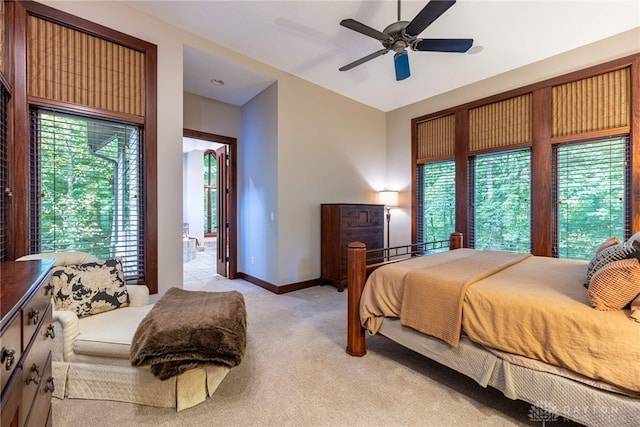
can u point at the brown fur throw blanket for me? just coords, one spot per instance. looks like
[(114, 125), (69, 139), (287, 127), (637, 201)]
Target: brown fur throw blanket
[(187, 329)]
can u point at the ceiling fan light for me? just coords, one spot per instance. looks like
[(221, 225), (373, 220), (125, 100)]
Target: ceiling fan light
[(401, 62)]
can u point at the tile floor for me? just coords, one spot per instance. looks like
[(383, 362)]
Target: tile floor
[(202, 269)]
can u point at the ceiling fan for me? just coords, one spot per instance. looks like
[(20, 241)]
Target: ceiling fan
[(404, 34)]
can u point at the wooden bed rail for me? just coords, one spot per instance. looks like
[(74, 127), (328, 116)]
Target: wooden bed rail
[(357, 274)]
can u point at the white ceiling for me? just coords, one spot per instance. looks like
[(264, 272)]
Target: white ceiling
[(304, 38)]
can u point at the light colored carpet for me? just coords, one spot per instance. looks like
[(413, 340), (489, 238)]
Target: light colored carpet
[(296, 373)]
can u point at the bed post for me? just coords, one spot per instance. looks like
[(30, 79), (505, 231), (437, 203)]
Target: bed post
[(356, 276), (455, 240)]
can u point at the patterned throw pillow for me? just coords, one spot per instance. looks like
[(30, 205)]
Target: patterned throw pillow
[(625, 250), (90, 288), (615, 285)]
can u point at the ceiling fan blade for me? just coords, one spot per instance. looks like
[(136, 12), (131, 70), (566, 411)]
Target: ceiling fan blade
[(443, 45), (364, 59), (427, 15), (354, 25)]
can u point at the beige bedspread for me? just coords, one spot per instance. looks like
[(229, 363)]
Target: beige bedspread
[(536, 308), (442, 288)]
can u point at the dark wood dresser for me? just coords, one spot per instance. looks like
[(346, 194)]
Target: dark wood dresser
[(342, 224), (26, 333)]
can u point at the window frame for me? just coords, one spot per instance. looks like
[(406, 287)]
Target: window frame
[(210, 201), (421, 200), (472, 191), (129, 224), (626, 220), (541, 144), (22, 102)]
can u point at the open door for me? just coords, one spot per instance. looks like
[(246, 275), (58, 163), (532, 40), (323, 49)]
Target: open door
[(222, 184)]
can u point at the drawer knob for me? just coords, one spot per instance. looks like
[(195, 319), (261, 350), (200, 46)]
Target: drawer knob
[(34, 378), (50, 385), (48, 288), (51, 332), (8, 358), (34, 316)]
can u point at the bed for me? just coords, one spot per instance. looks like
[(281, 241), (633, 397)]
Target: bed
[(522, 324)]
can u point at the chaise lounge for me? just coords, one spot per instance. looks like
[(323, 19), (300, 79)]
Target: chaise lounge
[(91, 354)]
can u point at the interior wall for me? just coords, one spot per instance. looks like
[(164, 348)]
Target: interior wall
[(258, 187), (331, 149), (211, 116), (398, 131)]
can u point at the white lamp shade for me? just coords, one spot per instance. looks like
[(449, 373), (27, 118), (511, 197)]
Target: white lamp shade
[(388, 198)]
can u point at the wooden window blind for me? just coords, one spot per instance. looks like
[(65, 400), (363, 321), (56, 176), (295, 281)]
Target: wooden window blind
[(435, 139), (501, 189), (87, 188), (501, 125), (437, 187), (74, 67), (591, 196), (593, 104), (4, 173)]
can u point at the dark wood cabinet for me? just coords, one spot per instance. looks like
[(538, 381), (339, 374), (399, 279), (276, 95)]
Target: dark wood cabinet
[(342, 224), (25, 341)]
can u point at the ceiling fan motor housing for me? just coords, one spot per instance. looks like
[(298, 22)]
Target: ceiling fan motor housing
[(400, 40)]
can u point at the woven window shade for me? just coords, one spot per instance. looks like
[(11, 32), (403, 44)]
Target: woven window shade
[(435, 139), (74, 67), (501, 124), (597, 103)]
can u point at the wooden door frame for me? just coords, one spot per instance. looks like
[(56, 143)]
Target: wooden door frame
[(232, 143)]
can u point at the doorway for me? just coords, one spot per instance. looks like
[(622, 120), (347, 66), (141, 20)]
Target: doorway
[(210, 224)]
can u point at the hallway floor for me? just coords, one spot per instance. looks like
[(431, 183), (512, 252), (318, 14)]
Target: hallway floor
[(202, 269)]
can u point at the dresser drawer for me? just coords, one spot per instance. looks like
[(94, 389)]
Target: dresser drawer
[(42, 402), (361, 217), (358, 234), (10, 415), (33, 312), (35, 364), (11, 348)]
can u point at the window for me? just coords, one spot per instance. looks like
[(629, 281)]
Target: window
[(86, 188), (437, 188), (210, 194), (501, 191), (4, 172), (591, 194)]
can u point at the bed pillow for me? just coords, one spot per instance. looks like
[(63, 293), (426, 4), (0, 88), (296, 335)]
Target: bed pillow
[(635, 309), (625, 250), (90, 288), (615, 285), (611, 241)]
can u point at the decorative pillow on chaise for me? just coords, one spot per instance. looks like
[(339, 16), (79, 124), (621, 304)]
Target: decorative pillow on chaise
[(611, 241), (615, 285), (625, 250), (90, 288)]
